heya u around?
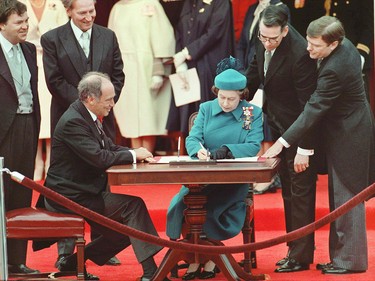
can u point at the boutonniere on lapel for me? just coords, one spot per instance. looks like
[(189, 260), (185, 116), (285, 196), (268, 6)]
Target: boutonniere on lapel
[(247, 117), (52, 6)]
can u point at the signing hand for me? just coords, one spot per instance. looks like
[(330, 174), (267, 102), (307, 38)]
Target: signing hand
[(301, 163), (274, 150), (203, 154)]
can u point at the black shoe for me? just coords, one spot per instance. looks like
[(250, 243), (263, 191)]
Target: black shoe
[(113, 261), (321, 266), (292, 266), (282, 261), (148, 279), (207, 274), (89, 276), (192, 275), (59, 259), (338, 270), (22, 269)]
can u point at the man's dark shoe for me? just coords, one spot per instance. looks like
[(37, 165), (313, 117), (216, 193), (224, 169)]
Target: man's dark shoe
[(321, 266), (113, 261), (339, 270), (59, 259), (292, 266), (282, 261), (69, 264), (148, 279), (89, 276), (21, 269)]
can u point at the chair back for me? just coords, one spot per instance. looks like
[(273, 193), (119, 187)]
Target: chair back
[(192, 118)]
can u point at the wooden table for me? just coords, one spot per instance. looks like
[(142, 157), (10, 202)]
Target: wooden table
[(195, 177)]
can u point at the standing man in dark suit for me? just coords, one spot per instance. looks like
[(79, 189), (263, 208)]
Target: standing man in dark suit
[(65, 61), (81, 153), (283, 66), (348, 134), (19, 115)]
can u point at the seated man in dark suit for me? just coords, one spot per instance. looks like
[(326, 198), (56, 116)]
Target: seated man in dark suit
[(80, 155)]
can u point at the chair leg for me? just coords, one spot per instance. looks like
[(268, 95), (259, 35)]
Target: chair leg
[(80, 243)]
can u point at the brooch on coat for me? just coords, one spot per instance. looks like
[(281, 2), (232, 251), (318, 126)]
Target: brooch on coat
[(247, 117)]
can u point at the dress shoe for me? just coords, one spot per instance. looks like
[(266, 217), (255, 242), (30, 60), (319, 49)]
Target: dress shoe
[(292, 266), (207, 274), (321, 266), (70, 265), (192, 275), (339, 270), (113, 261), (148, 279), (21, 269), (89, 276), (282, 261), (59, 259)]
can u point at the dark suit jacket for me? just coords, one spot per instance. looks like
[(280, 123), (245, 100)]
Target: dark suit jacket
[(8, 96), (64, 68), (245, 48), (348, 129), (79, 160), (290, 80)]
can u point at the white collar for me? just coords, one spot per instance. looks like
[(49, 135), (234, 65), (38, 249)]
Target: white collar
[(78, 32)]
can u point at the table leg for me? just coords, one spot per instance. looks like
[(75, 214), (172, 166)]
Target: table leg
[(195, 216)]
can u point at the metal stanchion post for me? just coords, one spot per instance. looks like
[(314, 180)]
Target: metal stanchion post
[(3, 242)]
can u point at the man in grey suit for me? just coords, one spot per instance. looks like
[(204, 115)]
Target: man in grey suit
[(65, 62), (19, 115), (81, 153), (347, 132), (289, 78)]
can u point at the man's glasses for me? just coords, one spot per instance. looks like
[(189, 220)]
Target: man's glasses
[(271, 40)]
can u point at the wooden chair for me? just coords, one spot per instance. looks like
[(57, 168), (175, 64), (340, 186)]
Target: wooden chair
[(40, 224), (248, 230)]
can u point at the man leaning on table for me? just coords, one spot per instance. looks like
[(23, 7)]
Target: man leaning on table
[(81, 153)]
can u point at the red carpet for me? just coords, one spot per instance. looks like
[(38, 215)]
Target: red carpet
[(269, 224)]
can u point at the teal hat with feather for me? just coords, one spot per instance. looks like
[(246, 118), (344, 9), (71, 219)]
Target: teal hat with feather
[(229, 76)]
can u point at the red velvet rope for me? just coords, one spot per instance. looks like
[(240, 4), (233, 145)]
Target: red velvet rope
[(360, 197)]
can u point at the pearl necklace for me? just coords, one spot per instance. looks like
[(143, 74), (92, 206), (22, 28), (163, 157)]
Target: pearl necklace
[(38, 6)]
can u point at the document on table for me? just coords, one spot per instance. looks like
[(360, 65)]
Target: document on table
[(242, 160), (168, 159), (186, 87)]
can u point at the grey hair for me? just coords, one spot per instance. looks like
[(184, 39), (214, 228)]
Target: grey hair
[(91, 85), (68, 3)]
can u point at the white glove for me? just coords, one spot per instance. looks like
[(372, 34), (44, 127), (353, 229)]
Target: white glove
[(178, 59), (156, 82), (181, 57)]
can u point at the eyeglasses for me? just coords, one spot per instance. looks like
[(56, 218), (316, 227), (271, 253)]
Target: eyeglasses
[(271, 40)]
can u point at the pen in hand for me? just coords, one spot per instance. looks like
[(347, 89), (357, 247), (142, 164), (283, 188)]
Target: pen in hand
[(207, 151)]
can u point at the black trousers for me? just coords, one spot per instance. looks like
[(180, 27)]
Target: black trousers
[(126, 209), (19, 150), (299, 193)]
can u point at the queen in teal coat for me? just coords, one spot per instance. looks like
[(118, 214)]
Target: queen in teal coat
[(229, 127)]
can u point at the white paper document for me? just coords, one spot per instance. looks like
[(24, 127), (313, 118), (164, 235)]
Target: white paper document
[(186, 87), (168, 159)]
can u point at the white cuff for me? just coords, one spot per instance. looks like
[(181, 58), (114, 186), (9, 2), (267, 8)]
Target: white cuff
[(303, 151), (185, 51), (134, 156), (284, 142)]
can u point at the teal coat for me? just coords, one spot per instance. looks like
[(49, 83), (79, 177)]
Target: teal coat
[(225, 206)]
